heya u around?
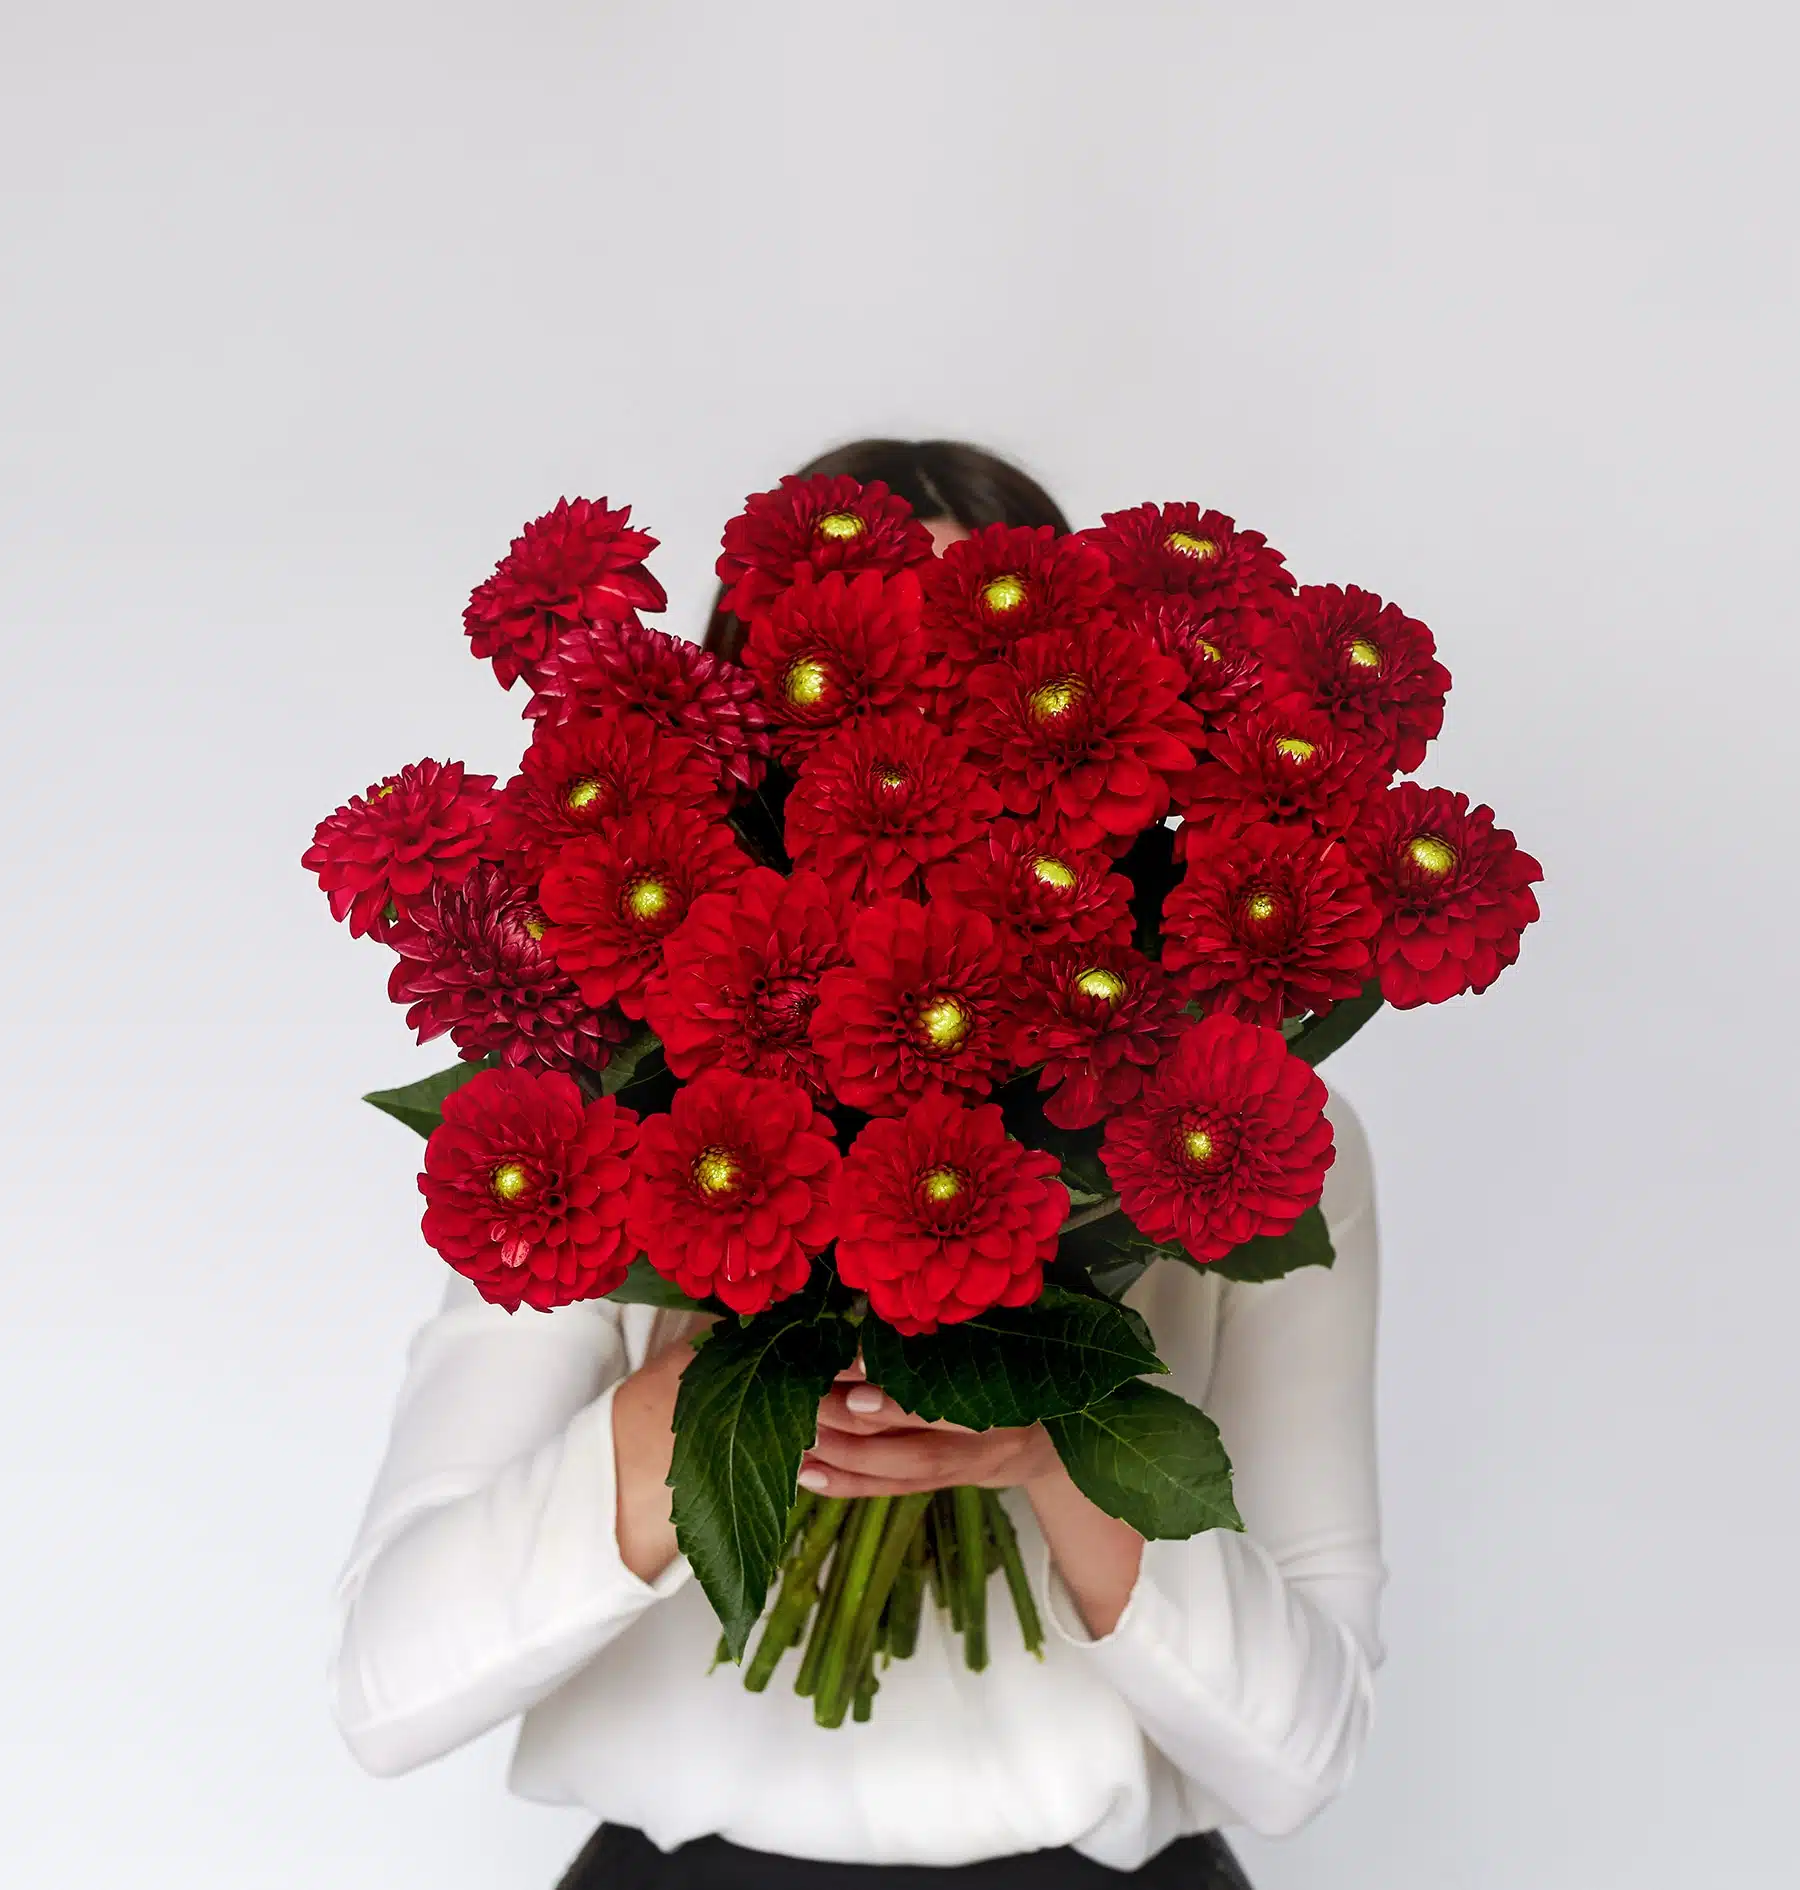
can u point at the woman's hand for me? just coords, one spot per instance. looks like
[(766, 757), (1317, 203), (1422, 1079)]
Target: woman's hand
[(643, 1443)]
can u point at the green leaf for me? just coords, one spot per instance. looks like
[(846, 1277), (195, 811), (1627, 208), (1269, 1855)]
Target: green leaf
[(420, 1105), (1306, 1244), (644, 1286), (1011, 1365), (1151, 1459), (747, 1410), (622, 1065), (1319, 1036)]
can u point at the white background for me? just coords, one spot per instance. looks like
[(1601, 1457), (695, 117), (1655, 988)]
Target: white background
[(1489, 308)]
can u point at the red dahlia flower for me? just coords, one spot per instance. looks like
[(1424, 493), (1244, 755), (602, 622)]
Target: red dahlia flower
[(1238, 575), (941, 1215), (740, 979), (472, 962), (1453, 889), (1369, 667), (811, 526), (880, 801), (1085, 730), (1269, 922), (524, 1188), (731, 1194), (920, 1008), (582, 774), (425, 826), (574, 565), (1284, 768), (1222, 669), (829, 651), (1099, 1022), (1003, 583), (1038, 891), (1228, 1141), (613, 897), (675, 683)]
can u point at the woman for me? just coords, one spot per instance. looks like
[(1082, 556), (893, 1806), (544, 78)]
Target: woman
[(518, 1558)]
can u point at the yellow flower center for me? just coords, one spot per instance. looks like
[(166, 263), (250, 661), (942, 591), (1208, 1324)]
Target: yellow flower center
[(1004, 593), (580, 793), (939, 1185), (892, 776), (1186, 545), (841, 527), (647, 900), (1431, 855), (1099, 983), (508, 1181), (382, 792), (806, 682), (1052, 872), (716, 1171), (1295, 748), (1364, 654), (1210, 651), (535, 923), (1198, 1146), (944, 1023), (1260, 906), (1052, 699)]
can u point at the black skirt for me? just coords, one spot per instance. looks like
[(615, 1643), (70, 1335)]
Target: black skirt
[(616, 1858)]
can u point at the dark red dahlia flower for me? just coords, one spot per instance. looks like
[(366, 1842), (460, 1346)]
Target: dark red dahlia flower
[(524, 1188), (731, 1192), (1370, 668), (811, 526), (386, 847), (826, 652), (1038, 891), (1238, 575), (579, 775), (576, 564), (613, 897), (698, 695), (1269, 922), (1453, 889), (1006, 582), (921, 1008), (1084, 730), (1223, 671), (740, 979), (941, 1215), (1284, 768), (1228, 1141), (1099, 1021), (882, 800), (473, 963)]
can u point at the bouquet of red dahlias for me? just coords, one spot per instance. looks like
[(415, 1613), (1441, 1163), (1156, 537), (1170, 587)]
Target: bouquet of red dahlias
[(873, 997)]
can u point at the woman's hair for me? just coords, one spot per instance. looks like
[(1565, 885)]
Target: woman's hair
[(938, 479)]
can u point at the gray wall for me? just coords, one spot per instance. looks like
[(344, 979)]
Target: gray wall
[(1490, 309)]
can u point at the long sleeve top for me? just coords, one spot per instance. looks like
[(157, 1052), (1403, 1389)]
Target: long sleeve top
[(486, 1583)]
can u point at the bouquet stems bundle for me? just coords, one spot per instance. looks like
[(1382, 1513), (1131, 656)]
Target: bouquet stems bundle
[(905, 992)]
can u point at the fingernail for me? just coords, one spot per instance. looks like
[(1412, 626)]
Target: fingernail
[(865, 1399), (811, 1479)]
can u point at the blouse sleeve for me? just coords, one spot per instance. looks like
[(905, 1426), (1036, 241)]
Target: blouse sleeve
[(487, 1569), (1248, 1659)]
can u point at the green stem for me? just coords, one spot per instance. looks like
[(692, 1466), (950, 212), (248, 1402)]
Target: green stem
[(807, 1679), (971, 1573), (799, 1589), (897, 1535), (907, 1602), (836, 1671), (1013, 1567)]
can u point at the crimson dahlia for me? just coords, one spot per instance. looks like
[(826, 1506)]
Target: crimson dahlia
[(614, 896), (1283, 768), (386, 847), (1099, 1022), (1229, 1140), (809, 526), (1038, 890), (731, 1193), (524, 1188), (1238, 576), (881, 801), (1453, 889), (920, 1009), (577, 564), (942, 1215), (1222, 669), (1269, 922), (740, 979)]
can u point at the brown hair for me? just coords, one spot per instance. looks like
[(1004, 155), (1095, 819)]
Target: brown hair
[(938, 479)]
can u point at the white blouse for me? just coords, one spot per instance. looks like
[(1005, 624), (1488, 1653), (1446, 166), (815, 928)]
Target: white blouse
[(1235, 1689)]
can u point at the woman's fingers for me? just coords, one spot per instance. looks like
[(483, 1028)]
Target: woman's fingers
[(863, 1410)]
